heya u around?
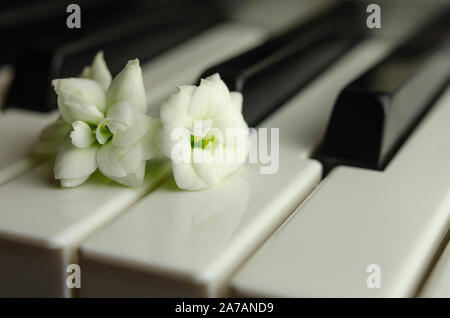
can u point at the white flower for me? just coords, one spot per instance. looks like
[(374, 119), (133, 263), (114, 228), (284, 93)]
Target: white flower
[(109, 127), (203, 133)]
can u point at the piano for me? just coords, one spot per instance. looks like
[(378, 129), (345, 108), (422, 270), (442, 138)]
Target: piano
[(359, 205)]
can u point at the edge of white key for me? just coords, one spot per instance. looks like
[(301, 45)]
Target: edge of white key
[(437, 284)]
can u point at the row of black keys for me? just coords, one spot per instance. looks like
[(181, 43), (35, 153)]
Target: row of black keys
[(44, 48), (372, 117)]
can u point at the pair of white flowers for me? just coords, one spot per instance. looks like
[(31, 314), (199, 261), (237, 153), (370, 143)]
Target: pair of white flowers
[(104, 125)]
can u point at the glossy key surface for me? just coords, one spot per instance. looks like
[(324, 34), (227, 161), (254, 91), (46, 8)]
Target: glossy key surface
[(359, 221)]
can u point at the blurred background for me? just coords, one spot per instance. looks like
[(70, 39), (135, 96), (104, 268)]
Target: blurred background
[(37, 45)]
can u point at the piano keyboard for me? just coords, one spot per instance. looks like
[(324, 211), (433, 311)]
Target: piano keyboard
[(355, 187), (204, 244)]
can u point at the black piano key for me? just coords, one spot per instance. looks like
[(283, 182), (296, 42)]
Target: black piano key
[(374, 114), (122, 34), (271, 73)]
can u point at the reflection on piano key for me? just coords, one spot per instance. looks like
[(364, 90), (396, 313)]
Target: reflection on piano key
[(42, 224), (162, 74), (395, 219), (438, 283), (19, 131), (374, 114), (176, 243), (182, 243)]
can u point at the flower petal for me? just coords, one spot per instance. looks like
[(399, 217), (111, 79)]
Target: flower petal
[(209, 101), (203, 174), (149, 142), (102, 133), (139, 126), (211, 170), (81, 135), (74, 182), (128, 86), (75, 163), (186, 178), (237, 99), (133, 179), (119, 162), (217, 82), (99, 71), (175, 143), (80, 99), (174, 111), (120, 116), (51, 136), (86, 72)]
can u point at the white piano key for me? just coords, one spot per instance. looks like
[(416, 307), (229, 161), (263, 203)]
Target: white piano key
[(185, 63), (438, 284), (394, 219), (176, 243), (41, 225), (19, 131)]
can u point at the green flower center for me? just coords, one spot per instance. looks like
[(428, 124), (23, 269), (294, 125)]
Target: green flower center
[(199, 142), (103, 133)]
